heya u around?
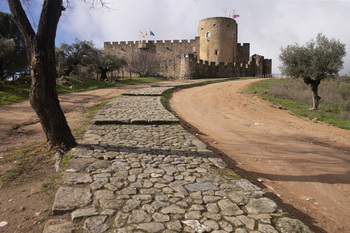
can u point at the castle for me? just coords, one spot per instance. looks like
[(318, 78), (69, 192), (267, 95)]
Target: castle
[(214, 53)]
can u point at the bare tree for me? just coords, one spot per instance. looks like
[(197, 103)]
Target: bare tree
[(143, 62)]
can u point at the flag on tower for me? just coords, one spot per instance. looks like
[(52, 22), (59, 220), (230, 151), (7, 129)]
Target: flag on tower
[(142, 34), (151, 33), (146, 33), (235, 16)]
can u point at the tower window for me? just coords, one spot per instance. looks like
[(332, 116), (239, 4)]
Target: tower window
[(201, 28), (214, 24), (216, 52), (228, 25), (194, 48), (207, 35)]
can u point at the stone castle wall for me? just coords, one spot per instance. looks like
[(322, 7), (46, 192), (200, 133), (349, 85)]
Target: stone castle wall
[(193, 68), (168, 51), (215, 53)]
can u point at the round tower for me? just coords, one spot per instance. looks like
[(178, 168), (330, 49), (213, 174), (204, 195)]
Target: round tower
[(218, 39)]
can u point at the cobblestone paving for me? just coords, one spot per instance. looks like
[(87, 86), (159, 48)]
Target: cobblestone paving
[(135, 110), (157, 178), (151, 91)]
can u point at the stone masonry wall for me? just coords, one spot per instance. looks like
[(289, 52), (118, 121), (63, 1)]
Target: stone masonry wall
[(169, 51), (218, 39), (243, 53), (193, 68)]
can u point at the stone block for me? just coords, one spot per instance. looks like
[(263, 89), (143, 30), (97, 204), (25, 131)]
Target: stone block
[(70, 198)]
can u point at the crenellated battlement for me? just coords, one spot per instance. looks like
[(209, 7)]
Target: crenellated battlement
[(147, 42), (243, 44), (207, 63)]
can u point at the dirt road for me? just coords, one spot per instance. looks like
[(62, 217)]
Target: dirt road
[(303, 165)]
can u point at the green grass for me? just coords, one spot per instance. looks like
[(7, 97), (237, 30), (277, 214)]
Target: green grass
[(92, 84), (16, 91), (294, 95), (13, 91), (46, 187), (65, 159), (12, 174)]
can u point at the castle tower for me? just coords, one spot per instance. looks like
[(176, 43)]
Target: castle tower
[(218, 39)]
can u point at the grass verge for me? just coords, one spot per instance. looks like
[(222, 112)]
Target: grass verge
[(13, 91), (294, 95)]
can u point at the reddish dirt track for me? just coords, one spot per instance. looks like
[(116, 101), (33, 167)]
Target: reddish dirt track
[(302, 164)]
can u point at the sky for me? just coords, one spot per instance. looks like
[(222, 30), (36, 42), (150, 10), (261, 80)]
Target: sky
[(267, 25)]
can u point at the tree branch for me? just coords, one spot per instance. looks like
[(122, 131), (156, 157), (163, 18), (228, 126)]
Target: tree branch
[(50, 15), (22, 21)]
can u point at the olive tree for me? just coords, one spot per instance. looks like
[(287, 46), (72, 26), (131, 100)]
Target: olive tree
[(12, 49), (313, 62), (106, 62), (7, 50), (40, 45), (70, 56)]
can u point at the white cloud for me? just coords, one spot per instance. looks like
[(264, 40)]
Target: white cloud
[(265, 24)]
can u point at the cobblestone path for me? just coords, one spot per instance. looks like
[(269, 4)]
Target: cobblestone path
[(138, 170)]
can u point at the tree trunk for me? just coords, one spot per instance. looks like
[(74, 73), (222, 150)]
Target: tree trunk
[(44, 100), (41, 55), (103, 73), (70, 69), (314, 88), (315, 97)]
